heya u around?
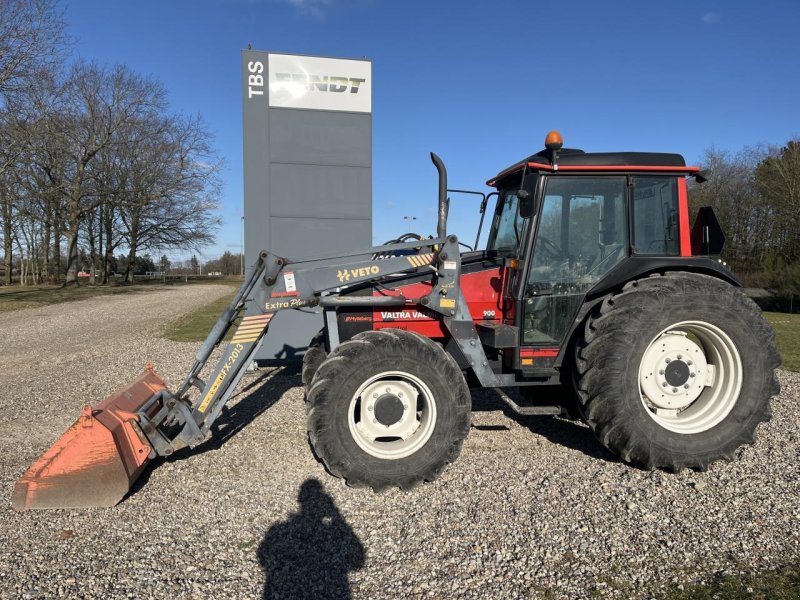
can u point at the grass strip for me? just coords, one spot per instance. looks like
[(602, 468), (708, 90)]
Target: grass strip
[(195, 326), (778, 584), (787, 335), (14, 297)]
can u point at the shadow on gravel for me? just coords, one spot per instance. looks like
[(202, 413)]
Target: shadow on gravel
[(259, 394), (561, 431), (569, 434), (310, 554)]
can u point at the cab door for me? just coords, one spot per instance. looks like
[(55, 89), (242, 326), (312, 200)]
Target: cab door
[(581, 233)]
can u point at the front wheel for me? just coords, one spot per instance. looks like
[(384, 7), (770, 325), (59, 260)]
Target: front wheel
[(677, 371), (388, 408)]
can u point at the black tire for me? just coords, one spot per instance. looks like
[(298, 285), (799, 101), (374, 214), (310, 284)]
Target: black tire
[(633, 322), (315, 355), (342, 375)]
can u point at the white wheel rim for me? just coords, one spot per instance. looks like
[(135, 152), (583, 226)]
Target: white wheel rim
[(373, 425), (690, 377)]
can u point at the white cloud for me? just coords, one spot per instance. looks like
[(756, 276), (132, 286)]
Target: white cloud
[(711, 18), (313, 8)]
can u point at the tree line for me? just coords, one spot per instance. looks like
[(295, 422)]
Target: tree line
[(92, 160), (755, 194), (227, 264), (95, 170)]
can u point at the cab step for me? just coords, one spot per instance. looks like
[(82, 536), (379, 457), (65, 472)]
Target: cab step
[(527, 410)]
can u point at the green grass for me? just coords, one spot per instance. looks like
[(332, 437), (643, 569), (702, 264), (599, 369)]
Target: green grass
[(194, 327), (15, 297), (780, 584), (787, 334)]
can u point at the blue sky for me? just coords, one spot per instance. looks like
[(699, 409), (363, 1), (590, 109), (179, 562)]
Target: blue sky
[(480, 83)]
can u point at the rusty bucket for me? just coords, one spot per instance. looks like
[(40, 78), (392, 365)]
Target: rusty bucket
[(97, 459)]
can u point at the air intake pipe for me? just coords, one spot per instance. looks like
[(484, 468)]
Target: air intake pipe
[(444, 202)]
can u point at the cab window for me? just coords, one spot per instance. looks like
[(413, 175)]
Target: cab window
[(507, 225), (655, 216)]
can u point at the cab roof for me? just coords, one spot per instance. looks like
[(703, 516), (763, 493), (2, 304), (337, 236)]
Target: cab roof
[(572, 159)]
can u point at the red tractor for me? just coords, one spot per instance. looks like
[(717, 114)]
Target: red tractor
[(593, 295)]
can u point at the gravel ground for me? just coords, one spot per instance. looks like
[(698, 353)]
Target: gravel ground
[(534, 507)]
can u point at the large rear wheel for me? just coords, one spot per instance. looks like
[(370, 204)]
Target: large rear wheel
[(388, 408), (677, 371)]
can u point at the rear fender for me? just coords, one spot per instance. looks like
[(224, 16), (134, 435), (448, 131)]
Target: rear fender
[(637, 267)]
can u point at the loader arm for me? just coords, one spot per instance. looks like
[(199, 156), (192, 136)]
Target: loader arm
[(172, 421), (100, 456)]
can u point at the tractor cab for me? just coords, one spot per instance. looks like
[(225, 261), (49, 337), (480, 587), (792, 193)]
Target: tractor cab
[(571, 220)]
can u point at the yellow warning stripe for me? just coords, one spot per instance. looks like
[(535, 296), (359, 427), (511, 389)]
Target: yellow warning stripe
[(245, 336), (419, 260), (245, 340), (248, 332), (250, 328), (257, 319)]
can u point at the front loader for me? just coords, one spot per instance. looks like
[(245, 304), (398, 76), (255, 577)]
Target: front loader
[(591, 284)]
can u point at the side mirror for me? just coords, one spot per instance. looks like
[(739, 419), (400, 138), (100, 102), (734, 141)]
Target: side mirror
[(527, 205)]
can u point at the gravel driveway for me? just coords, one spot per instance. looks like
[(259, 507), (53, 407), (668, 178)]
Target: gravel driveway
[(534, 507)]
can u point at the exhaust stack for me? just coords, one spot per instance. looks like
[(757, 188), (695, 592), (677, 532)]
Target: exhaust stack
[(444, 201)]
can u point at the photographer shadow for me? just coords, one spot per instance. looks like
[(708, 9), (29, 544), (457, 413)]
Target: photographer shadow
[(311, 553)]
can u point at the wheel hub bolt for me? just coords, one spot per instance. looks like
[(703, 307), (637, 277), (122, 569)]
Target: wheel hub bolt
[(661, 372), (688, 362), (691, 374), (674, 390), (664, 384), (680, 356), (686, 386), (375, 395), (667, 360), (369, 408)]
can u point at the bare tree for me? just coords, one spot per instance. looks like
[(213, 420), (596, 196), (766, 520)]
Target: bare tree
[(8, 156), (91, 157), (99, 105), (175, 187), (731, 190), (778, 180), (32, 44), (32, 40)]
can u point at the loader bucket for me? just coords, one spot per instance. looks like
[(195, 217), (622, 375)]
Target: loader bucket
[(98, 458)]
